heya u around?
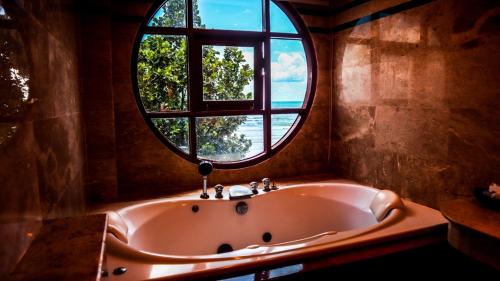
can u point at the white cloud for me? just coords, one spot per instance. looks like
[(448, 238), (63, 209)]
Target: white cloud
[(290, 67)]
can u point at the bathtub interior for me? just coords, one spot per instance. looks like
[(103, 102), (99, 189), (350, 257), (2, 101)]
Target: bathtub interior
[(172, 228)]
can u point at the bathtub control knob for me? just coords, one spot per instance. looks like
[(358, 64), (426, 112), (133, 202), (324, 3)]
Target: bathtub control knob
[(254, 185), (266, 182), (218, 191)]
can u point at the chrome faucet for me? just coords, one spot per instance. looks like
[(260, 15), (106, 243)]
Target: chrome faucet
[(218, 191), (266, 182), (254, 185), (237, 192), (205, 168)]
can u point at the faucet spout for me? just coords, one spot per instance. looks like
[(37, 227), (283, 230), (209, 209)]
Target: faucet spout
[(205, 168), (239, 192)]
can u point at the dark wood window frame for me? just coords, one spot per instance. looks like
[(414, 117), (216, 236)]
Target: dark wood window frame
[(259, 105)]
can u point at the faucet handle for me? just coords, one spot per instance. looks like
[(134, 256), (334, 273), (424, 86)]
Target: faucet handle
[(266, 182), (218, 191), (254, 185), (205, 168)]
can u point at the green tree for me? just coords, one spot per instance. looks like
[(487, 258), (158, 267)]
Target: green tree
[(162, 79)]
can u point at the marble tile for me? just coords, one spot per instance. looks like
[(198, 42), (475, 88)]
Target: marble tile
[(430, 78), (49, 259)]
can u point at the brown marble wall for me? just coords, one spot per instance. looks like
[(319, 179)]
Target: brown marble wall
[(98, 100), (41, 166), (417, 98), (132, 161)]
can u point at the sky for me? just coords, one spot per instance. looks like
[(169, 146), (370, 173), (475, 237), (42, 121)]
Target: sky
[(288, 60)]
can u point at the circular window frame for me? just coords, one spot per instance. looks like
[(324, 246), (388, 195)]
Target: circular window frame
[(302, 112)]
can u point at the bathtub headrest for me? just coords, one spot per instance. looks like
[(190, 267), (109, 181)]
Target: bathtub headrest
[(117, 226), (384, 202)]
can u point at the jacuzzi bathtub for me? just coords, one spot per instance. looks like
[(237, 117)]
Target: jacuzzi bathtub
[(177, 237)]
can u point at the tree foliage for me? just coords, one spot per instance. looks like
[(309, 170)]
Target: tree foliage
[(162, 79)]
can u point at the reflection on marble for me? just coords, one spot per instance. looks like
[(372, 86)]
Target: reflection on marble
[(3, 13), (358, 71), (417, 101), (392, 26), (7, 132), (42, 163), (14, 79)]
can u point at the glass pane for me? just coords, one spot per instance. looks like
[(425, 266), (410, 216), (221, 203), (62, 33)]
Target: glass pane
[(280, 125), (171, 14), (7, 132), (229, 138), (14, 75), (288, 73), (280, 21), (227, 73), (243, 15), (162, 73), (175, 130), (3, 14)]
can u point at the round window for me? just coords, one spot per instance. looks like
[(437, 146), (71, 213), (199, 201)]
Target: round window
[(226, 81)]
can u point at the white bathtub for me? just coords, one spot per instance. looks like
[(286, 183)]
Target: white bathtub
[(167, 239)]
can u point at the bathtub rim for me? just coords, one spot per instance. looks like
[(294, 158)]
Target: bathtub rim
[(117, 247)]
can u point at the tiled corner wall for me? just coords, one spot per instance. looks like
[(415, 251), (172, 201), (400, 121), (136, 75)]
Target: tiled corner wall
[(416, 100)]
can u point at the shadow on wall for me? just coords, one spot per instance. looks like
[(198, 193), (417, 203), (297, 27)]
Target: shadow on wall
[(417, 101)]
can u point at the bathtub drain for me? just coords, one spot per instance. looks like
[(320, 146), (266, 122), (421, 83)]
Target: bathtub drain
[(266, 237), (195, 208), (224, 248)]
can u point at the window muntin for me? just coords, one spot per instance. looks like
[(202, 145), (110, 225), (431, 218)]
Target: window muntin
[(180, 103)]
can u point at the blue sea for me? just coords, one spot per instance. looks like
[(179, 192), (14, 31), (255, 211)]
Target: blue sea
[(280, 124)]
